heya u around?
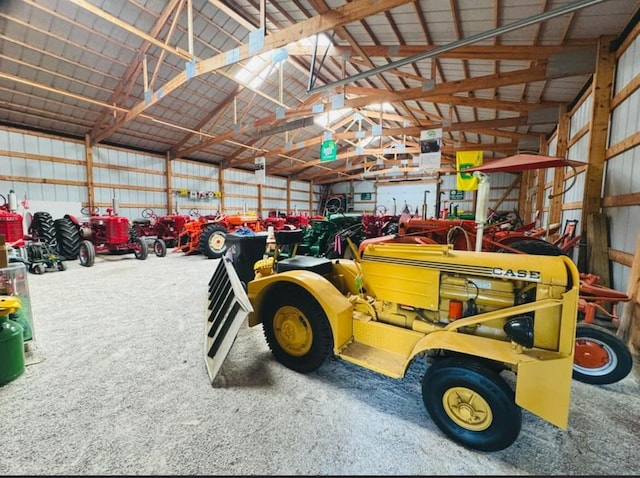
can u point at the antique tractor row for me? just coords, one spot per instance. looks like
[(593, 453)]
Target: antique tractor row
[(207, 234)]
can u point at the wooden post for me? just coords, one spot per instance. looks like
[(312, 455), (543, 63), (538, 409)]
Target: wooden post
[(221, 188), (169, 176), (556, 196), (259, 200), (629, 329), (88, 156), (311, 208), (288, 195), (601, 91)]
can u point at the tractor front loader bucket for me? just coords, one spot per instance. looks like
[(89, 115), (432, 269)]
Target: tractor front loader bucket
[(227, 307)]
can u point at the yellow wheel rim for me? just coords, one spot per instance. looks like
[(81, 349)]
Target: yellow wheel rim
[(293, 331), (467, 408)]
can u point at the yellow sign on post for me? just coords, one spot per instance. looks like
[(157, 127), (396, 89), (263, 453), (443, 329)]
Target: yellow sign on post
[(465, 160)]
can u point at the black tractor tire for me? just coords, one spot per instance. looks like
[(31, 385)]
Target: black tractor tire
[(213, 242), (536, 247), (38, 268), (68, 236), (62, 266), (600, 356), (86, 254), (142, 251), (296, 329), (159, 248), (471, 404), (43, 229)]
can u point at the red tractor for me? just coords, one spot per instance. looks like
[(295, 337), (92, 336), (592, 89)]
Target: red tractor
[(11, 222), (163, 229), (37, 249), (281, 221), (108, 233), (207, 234)]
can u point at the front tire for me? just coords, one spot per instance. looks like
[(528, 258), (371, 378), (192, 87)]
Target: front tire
[(159, 248), (600, 357), (296, 329), (213, 241), (86, 254), (471, 404), (142, 250)]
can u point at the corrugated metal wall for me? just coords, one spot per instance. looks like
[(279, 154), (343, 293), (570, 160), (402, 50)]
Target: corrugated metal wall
[(621, 199), (51, 173)]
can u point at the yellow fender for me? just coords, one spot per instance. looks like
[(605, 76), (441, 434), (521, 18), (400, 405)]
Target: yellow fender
[(335, 305)]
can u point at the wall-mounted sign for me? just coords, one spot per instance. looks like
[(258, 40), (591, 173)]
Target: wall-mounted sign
[(328, 151), (456, 195), (365, 196), (198, 195)]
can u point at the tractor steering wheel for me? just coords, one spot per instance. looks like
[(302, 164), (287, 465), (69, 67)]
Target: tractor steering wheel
[(381, 210), (148, 213), (87, 211), (333, 205), (193, 212)]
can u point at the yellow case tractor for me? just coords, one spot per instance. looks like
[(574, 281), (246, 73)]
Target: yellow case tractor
[(473, 315)]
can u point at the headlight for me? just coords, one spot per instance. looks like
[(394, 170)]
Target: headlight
[(520, 330)]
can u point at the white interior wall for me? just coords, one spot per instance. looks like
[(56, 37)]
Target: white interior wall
[(622, 171)]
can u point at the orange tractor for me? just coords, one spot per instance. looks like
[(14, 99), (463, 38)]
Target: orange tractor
[(207, 234)]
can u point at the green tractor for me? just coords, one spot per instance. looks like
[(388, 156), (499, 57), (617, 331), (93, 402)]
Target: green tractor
[(328, 237)]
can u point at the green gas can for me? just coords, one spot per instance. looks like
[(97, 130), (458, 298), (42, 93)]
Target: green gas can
[(11, 343)]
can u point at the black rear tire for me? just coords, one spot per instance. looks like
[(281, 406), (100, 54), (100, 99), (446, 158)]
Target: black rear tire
[(68, 236), (43, 229), (471, 404), (213, 243)]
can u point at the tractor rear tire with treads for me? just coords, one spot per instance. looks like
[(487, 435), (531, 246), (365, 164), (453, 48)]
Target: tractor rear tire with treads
[(68, 237), (43, 228), (213, 243)]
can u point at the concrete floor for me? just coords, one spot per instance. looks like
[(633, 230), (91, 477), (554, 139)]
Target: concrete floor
[(119, 386)]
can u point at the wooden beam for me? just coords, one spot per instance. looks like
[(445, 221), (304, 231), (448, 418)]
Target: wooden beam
[(130, 28), (523, 53), (339, 16)]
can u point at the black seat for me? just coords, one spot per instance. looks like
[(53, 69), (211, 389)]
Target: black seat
[(142, 221), (319, 265), (288, 236)]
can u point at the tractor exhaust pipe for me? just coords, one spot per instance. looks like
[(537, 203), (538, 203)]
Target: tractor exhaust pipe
[(115, 204), (12, 201)]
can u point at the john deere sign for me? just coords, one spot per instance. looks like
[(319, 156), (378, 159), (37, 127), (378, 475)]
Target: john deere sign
[(328, 151)]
